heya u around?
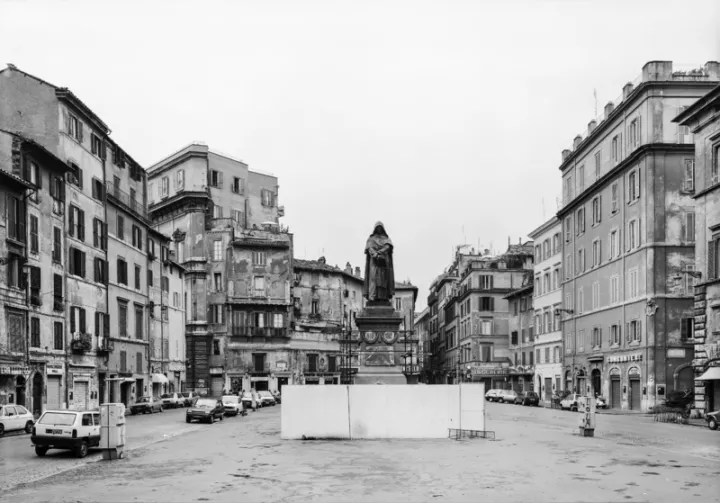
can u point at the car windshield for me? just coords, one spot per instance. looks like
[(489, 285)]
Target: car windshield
[(145, 399), (57, 419), (230, 399), (205, 402), (264, 393), (180, 395), (166, 395), (247, 395)]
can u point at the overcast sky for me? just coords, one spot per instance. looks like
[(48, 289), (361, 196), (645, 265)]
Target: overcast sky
[(444, 119)]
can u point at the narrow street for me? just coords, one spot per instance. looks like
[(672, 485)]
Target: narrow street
[(537, 456)]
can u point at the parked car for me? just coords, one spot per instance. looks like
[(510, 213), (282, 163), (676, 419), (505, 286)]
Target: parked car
[(172, 400), (266, 398), (492, 395), (572, 402), (507, 396), (233, 405), (205, 409), (601, 403), (73, 430), (276, 396), (680, 398), (147, 404), (712, 419), (247, 400), (527, 398), (15, 417), (190, 398)]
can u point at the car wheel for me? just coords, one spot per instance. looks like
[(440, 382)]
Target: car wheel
[(81, 450), (40, 450), (188, 420), (2, 430), (573, 409), (524, 403), (713, 424), (28, 427)]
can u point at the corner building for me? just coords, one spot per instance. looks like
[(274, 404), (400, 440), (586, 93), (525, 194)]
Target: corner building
[(628, 220)]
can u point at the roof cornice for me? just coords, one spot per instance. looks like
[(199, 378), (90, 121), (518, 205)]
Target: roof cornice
[(697, 108), (63, 93)]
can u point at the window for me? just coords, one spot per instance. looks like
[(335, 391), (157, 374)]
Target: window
[(164, 186), (568, 189), (75, 175), (615, 289), (165, 284), (215, 179), (556, 278), (614, 204), (32, 175), (57, 244), (514, 337), (596, 337), (137, 237), (538, 254), (120, 231), (486, 304), (98, 191), (614, 245), (123, 361), (238, 186), (556, 244), (615, 149), (546, 249), (76, 223), (180, 179), (315, 307), (121, 272), (538, 286), (217, 211), (596, 295), (138, 362), (689, 175), (102, 324), (35, 284), (58, 293), (150, 278), (139, 331), (57, 192), (581, 301), (614, 335), (239, 217), (568, 265), (77, 320), (58, 339), (486, 327), (398, 304), (568, 227), (633, 186), (217, 282), (34, 238), (633, 234), (715, 166), (547, 321), (101, 270), (98, 146), (633, 283), (683, 132), (580, 343), (138, 275), (634, 334), (596, 210), (580, 221), (76, 266), (546, 282), (73, 126), (259, 285), (278, 320), (258, 258), (217, 250), (164, 313), (98, 234), (581, 178), (597, 165), (580, 264), (687, 328), (34, 332), (713, 257), (690, 282), (596, 252), (216, 347), (556, 317), (634, 132), (268, 197), (216, 314), (485, 282), (688, 226)]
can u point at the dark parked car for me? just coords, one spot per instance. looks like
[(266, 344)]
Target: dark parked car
[(712, 419), (147, 404), (205, 409), (527, 398), (680, 399)]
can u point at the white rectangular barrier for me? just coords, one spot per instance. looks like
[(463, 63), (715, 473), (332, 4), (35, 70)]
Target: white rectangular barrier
[(373, 412)]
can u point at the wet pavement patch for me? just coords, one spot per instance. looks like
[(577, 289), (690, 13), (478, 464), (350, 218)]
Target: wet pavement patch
[(651, 473)]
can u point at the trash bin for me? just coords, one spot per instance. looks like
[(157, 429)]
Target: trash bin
[(112, 430)]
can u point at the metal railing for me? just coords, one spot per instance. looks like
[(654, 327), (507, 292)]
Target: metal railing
[(120, 196), (248, 331)]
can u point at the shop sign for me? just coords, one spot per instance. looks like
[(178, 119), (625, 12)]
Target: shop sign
[(281, 365), (625, 358), (216, 370), (14, 371), (490, 371), (55, 371), (676, 353)]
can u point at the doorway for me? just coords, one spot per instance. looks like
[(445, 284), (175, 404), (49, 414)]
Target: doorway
[(634, 394), (282, 381), (596, 382), (37, 393), (261, 385), (615, 395), (124, 393), (548, 389), (20, 390)]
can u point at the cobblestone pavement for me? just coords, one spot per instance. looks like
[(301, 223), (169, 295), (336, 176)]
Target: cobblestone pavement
[(537, 456)]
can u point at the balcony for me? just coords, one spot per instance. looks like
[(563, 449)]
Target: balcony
[(248, 331), (16, 231), (81, 343), (121, 197), (259, 369), (105, 345)]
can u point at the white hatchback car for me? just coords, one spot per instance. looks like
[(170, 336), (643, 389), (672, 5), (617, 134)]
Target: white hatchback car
[(72, 430), (15, 417)]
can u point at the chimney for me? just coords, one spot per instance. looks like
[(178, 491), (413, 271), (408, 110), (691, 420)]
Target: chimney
[(348, 268), (657, 70), (592, 125), (565, 154), (358, 273), (487, 251), (627, 90), (577, 141), (712, 70), (609, 108)]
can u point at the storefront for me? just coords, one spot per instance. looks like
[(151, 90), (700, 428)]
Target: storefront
[(493, 375), (711, 379), (13, 384), (159, 384)]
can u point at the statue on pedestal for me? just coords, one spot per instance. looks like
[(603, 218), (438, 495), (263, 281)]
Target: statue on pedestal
[(379, 272)]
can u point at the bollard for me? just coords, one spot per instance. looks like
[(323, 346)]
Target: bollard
[(587, 418)]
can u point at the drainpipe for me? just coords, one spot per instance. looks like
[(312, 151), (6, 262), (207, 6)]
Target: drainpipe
[(106, 239)]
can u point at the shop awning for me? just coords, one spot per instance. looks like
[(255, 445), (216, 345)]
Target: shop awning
[(711, 374), (159, 378)]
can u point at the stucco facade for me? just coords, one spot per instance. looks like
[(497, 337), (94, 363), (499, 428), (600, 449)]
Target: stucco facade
[(704, 123), (628, 231)]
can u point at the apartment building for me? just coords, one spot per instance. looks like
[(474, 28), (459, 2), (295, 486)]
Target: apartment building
[(521, 341), (702, 121), (628, 230), (238, 259), (547, 302), (432, 353), (422, 334)]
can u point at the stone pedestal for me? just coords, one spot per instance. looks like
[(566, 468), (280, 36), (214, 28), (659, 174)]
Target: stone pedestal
[(381, 346)]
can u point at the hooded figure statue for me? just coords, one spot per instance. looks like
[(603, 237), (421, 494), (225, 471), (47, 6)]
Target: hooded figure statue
[(379, 271)]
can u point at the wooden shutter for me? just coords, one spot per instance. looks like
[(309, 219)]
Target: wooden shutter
[(639, 331), (82, 320), (71, 221), (712, 259), (97, 323), (106, 324), (96, 237), (82, 264), (66, 120), (81, 225), (72, 319), (219, 179), (80, 130), (58, 285)]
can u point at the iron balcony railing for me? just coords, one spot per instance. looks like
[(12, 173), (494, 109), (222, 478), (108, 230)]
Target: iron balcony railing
[(133, 205), (248, 331)]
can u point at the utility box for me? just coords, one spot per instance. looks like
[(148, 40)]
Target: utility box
[(112, 430), (587, 417)]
